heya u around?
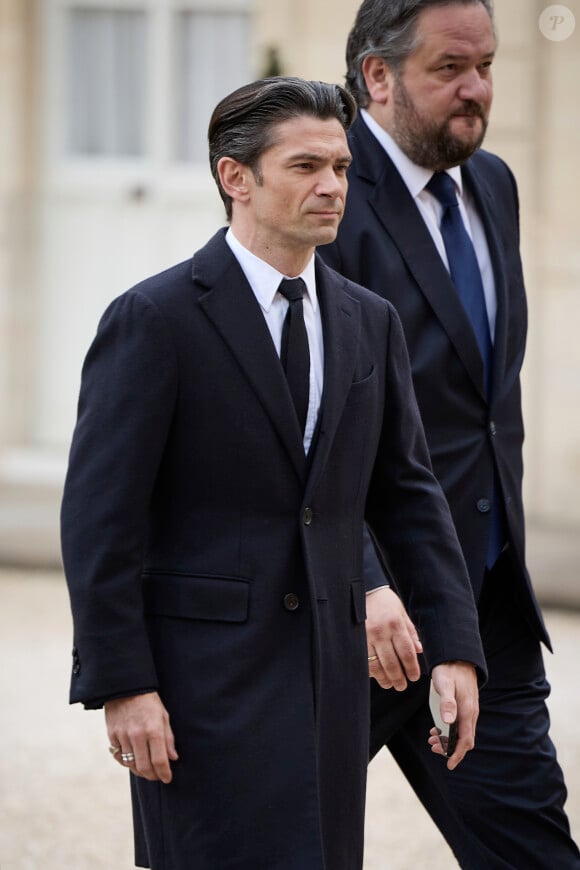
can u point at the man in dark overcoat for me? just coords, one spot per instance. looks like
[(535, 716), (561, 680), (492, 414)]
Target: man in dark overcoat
[(240, 416)]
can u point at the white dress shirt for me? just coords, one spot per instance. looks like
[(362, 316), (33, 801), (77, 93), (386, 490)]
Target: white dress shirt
[(264, 281), (416, 177)]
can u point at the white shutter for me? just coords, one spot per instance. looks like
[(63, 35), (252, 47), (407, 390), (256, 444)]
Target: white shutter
[(106, 82), (212, 58)]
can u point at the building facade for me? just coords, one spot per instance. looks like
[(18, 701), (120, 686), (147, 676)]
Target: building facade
[(104, 179)]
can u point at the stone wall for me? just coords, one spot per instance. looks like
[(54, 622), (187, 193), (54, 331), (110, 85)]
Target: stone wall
[(535, 126)]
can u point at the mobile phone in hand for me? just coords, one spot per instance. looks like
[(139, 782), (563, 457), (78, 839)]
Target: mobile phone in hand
[(447, 733)]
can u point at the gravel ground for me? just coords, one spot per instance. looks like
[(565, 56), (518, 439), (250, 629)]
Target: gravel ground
[(64, 804)]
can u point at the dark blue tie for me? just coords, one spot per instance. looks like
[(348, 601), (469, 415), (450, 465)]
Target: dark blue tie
[(294, 352), (465, 274), (463, 265)]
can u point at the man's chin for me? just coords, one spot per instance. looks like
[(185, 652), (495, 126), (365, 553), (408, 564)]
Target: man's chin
[(325, 235), (467, 130), (460, 148)]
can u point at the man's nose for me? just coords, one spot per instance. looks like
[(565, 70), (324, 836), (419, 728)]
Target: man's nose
[(329, 183), (474, 87)]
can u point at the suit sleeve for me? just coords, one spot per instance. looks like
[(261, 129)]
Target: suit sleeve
[(126, 402), (409, 515)]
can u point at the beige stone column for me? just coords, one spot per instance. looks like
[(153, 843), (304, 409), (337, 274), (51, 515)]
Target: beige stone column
[(536, 127), (18, 159), (310, 35)]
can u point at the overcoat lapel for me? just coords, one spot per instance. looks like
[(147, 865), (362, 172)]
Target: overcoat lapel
[(395, 209), (341, 327), (232, 308)]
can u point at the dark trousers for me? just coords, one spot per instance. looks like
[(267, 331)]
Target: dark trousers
[(503, 807)]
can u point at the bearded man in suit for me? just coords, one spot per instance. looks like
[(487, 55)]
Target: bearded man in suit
[(213, 514), (431, 224)]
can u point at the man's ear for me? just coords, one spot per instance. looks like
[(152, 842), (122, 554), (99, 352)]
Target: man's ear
[(378, 78), (234, 178)]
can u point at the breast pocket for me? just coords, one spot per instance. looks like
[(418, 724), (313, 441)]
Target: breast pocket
[(361, 390)]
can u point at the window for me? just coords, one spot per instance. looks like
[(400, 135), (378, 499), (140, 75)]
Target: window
[(212, 59), (140, 78), (106, 82)]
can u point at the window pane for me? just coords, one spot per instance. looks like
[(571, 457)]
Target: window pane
[(212, 59), (106, 82)]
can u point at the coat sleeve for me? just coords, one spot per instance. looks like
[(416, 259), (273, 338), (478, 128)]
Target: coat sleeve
[(127, 396), (410, 518), (375, 573)]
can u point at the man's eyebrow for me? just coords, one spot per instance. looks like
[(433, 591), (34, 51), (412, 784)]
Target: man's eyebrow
[(318, 158), (459, 56)]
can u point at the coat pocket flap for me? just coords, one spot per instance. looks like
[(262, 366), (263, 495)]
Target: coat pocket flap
[(359, 602), (194, 596)]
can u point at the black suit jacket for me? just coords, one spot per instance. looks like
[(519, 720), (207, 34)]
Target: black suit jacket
[(207, 559), (383, 243)]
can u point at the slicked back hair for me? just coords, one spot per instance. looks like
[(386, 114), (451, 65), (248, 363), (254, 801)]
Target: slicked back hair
[(388, 29), (242, 125)]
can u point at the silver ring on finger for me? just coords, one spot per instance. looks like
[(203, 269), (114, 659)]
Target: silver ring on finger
[(127, 757)]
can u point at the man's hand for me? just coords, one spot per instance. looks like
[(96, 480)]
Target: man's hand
[(392, 641), (140, 725), (456, 684)]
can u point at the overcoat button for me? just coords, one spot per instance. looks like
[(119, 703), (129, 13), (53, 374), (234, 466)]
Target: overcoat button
[(492, 428), (291, 601), (484, 505), (307, 516)]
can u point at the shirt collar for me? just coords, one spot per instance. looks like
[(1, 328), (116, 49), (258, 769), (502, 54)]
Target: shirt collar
[(264, 279), (414, 176)]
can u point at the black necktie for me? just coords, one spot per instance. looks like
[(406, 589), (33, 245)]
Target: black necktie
[(294, 353), (466, 277), (463, 265)]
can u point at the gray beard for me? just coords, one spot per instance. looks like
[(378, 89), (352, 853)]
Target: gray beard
[(432, 145)]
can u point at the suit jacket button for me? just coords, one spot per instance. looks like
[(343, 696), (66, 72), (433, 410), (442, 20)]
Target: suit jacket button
[(291, 601), (484, 505), (307, 516), (76, 667), (492, 427)]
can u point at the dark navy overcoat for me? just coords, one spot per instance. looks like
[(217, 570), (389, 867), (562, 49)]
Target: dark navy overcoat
[(209, 559)]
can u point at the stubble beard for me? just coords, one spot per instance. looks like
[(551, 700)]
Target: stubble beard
[(430, 144)]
